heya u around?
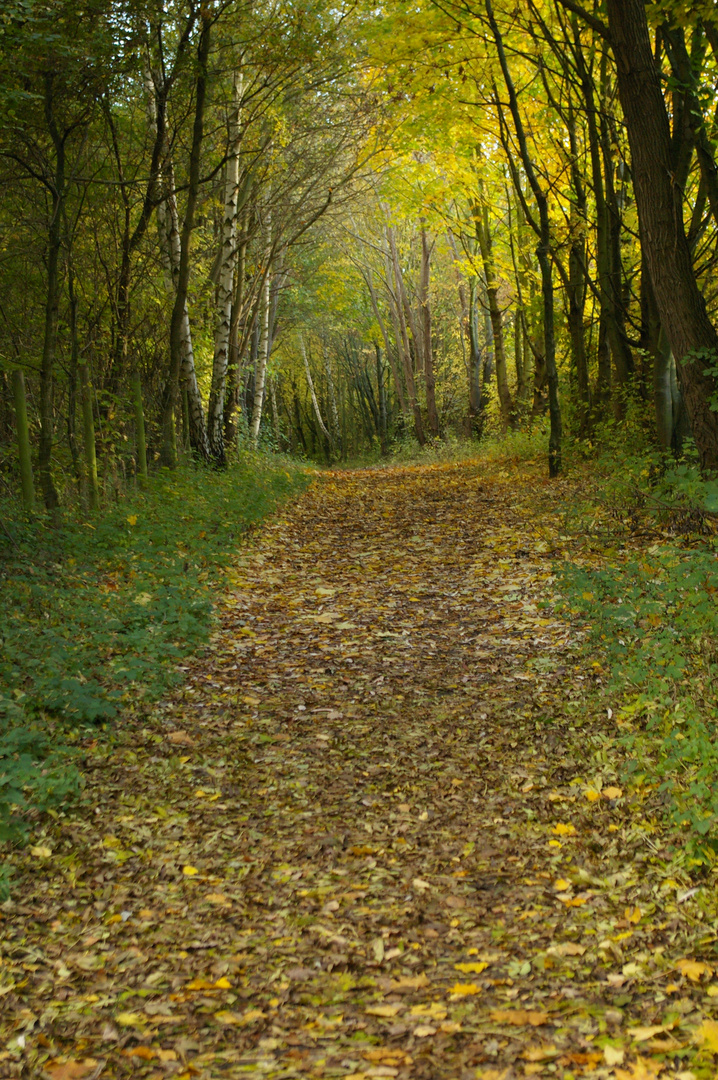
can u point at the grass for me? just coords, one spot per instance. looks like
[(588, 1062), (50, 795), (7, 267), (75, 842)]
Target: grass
[(99, 612)]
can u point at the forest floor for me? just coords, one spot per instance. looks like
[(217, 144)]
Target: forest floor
[(375, 834)]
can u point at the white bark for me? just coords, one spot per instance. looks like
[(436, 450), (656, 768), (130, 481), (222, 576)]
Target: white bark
[(263, 353), (225, 285), (310, 384), (168, 225)]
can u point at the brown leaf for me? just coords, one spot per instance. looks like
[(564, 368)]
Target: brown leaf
[(519, 1017)]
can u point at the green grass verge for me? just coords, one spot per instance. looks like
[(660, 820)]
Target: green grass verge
[(651, 614), (97, 613)]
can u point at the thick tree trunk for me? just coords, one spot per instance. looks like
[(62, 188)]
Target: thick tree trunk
[(225, 285), (682, 309)]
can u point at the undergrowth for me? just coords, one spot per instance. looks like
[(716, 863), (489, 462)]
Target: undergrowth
[(97, 613), (647, 591)]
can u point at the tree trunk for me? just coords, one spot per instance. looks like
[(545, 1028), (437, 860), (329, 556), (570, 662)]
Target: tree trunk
[(23, 440), (225, 289), (483, 235), (398, 308), (88, 433), (179, 323), (263, 351), (543, 254), (54, 242), (432, 415), (681, 306), (139, 428)]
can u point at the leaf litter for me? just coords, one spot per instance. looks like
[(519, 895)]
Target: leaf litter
[(281, 871)]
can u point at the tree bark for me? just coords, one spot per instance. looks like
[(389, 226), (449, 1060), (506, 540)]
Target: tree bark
[(168, 454), (23, 441), (225, 289), (483, 235), (681, 306), (432, 415)]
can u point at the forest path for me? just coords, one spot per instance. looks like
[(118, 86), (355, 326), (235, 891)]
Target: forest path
[(351, 844)]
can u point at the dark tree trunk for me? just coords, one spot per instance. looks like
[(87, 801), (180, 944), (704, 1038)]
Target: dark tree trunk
[(681, 306)]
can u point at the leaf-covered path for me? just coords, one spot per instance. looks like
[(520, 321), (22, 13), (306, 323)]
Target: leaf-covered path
[(368, 837)]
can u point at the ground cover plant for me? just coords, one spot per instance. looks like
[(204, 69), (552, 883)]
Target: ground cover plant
[(99, 611)]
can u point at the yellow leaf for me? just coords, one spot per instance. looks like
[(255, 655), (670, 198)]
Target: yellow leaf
[(223, 983), (199, 984), (423, 1031), (562, 885), (434, 1010), (632, 915), (410, 982), (130, 1019), (642, 1034), (383, 1010), (592, 795), (132, 519), (693, 969), (449, 1027), (41, 852), (227, 1017), (167, 1055), (707, 1035), (464, 989), (472, 968), (218, 898), (613, 1055), (189, 871), (612, 793), (562, 829)]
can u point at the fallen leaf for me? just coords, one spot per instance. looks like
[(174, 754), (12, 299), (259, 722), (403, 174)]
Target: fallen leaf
[(566, 948), (707, 1035), (562, 885), (564, 829), (642, 1034), (383, 1010), (189, 871), (41, 852), (130, 1019), (181, 738), (519, 1017), (423, 1031), (693, 969), (70, 1070), (539, 1053), (613, 1055), (612, 793), (145, 1052), (464, 989), (471, 968), (409, 982)]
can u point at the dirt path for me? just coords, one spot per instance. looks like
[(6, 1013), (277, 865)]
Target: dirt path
[(358, 843)]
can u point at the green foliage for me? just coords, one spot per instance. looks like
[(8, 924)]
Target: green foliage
[(654, 619), (36, 772), (98, 614)]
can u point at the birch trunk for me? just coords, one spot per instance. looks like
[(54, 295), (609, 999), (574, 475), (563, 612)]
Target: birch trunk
[(263, 352), (170, 253), (312, 391), (225, 286)]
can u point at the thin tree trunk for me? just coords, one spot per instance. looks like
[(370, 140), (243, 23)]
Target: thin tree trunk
[(179, 324), (432, 415), (543, 254), (312, 391), (225, 290), (139, 428), (54, 243), (263, 352), (23, 440), (483, 235), (88, 432), (398, 308)]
